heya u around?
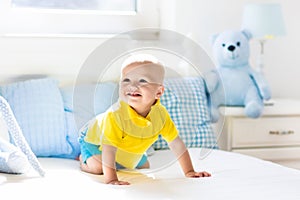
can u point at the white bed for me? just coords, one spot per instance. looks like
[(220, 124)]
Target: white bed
[(234, 176)]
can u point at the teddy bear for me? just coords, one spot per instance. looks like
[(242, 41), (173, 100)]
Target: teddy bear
[(234, 82)]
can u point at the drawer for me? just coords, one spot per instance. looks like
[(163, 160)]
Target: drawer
[(273, 154), (265, 132)]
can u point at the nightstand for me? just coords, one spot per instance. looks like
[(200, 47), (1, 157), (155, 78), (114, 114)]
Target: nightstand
[(275, 136)]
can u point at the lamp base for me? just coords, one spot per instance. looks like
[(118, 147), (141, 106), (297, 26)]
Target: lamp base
[(260, 63), (260, 60)]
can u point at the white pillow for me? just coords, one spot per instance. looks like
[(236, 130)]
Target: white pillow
[(3, 129), (21, 146), (12, 159)]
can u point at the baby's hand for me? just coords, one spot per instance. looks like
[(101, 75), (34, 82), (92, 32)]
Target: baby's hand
[(117, 182), (197, 174)]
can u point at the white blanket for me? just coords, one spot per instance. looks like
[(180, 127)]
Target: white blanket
[(234, 176)]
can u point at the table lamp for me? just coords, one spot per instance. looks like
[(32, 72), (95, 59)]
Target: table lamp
[(264, 21)]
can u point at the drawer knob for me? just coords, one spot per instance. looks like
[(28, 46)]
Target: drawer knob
[(289, 132)]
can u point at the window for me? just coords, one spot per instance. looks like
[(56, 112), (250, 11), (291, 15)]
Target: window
[(112, 6), (76, 16)]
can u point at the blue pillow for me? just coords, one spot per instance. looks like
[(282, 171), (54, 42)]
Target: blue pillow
[(186, 101), (72, 136), (38, 107), (104, 95)]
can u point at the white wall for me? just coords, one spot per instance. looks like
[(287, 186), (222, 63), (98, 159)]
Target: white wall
[(201, 18), (198, 18), (55, 56)]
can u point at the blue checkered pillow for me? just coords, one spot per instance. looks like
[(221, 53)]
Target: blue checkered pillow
[(186, 100)]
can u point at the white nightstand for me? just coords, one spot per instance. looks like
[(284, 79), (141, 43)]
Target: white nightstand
[(275, 136)]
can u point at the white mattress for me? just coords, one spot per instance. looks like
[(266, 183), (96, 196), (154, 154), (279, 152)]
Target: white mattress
[(234, 176)]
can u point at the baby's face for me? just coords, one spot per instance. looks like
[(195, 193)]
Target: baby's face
[(141, 85)]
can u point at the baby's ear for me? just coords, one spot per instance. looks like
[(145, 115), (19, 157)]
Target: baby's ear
[(160, 91)]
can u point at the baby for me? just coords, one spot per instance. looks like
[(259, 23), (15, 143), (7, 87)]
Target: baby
[(121, 136)]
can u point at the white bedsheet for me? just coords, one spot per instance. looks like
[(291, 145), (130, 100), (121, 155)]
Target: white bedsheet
[(234, 176)]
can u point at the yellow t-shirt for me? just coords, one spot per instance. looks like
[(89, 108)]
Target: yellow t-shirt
[(132, 134)]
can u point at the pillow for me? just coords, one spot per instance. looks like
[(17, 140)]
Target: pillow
[(38, 107), (104, 95), (3, 128), (186, 101), (72, 136), (15, 159), (12, 159)]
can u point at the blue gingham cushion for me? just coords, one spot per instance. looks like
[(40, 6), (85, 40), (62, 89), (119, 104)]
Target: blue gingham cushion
[(38, 107), (18, 140), (186, 101)]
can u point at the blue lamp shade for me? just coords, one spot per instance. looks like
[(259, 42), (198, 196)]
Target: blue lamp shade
[(264, 20)]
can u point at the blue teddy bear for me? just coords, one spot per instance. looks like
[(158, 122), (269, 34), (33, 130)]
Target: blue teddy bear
[(234, 82)]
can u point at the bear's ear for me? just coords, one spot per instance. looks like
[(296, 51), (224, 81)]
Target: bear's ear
[(213, 38), (247, 33)]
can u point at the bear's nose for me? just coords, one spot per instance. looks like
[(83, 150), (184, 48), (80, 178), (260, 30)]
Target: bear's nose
[(231, 48)]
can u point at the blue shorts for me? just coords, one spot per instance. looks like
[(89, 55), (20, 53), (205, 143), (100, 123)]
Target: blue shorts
[(88, 150)]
